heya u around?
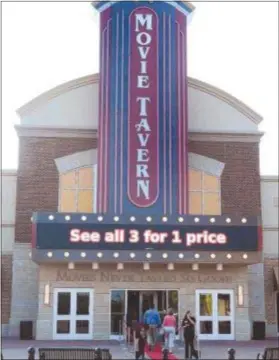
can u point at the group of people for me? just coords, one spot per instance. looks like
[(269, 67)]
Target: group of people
[(167, 329)]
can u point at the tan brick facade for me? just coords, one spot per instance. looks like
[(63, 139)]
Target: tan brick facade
[(6, 287)]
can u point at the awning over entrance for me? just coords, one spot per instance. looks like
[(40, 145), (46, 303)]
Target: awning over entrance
[(276, 278)]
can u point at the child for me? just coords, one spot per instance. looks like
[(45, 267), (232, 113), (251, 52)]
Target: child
[(140, 342)]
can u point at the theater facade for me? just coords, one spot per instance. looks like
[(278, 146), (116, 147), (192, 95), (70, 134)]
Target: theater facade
[(136, 184)]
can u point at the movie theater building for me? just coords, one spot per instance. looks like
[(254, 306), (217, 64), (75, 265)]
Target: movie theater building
[(136, 184)]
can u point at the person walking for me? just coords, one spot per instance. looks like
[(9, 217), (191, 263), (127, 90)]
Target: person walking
[(188, 324), (152, 319), (140, 341), (169, 326)]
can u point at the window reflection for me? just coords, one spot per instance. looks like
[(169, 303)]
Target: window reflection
[(224, 305), (206, 327), (205, 304), (82, 303), (117, 310), (224, 327), (64, 303)]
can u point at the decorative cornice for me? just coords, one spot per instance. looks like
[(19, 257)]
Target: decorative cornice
[(32, 131), (94, 79), (76, 160)]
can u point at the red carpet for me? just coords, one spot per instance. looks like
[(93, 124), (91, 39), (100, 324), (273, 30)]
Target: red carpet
[(156, 354)]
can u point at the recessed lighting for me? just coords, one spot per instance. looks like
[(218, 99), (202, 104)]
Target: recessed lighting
[(83, 254), (213, 256), (51, 217), (83, 218), (67, 218), (229, 256), (132, 255), (116, 255), (66, 254), (164, 219), (99, 255), (197, 256), (212, 220), (132, 218), (49, 254), (148, 255), (165, 255), (228, 220), (245, 256), (244, 220), (116, 218), (180, 219), (181, 256), (149, 219), (100, 218), (196, 220)]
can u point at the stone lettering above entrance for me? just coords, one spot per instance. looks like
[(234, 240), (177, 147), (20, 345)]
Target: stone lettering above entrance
[(117, 277)]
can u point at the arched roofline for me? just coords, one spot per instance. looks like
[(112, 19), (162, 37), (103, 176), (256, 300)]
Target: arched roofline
[(93, 79)]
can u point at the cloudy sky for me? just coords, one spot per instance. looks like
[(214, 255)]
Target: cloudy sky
[(233, 46)]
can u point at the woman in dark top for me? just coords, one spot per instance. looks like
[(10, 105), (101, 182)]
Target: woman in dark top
[(140, 343), (188, 324)]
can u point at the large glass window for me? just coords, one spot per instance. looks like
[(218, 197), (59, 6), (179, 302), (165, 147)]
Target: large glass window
[(204, 193), (78, 190), (117, 311)]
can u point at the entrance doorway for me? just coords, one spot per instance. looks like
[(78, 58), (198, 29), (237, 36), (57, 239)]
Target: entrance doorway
[(215, 314), (147, 298), (73, 314)]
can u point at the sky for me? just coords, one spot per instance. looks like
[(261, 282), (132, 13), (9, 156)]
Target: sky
[(231, 45)]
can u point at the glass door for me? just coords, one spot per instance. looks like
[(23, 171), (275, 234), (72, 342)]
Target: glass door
[(215, 314), (73, 314), (146, 299)]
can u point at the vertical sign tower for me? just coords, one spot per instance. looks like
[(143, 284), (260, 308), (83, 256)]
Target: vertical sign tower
[(143, 129)]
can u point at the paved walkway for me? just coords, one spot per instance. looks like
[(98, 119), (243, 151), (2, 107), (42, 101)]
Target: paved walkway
[(16, 349)]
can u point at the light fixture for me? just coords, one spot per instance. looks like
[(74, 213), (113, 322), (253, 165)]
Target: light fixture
[(149, 218), (116, 218), (165, 256), (67, 217), (180, 219), (170, 266), (219, 267), (30, 254), (146, 266), (195, 267), (83, 218), (95, 266), (120, 266), (47, 294), (164, 219), (83, 254), (229, 256), (116, 255), (100, 255), (132, 255), (240, 295), (244, 220), (132, 218), (212, 220), (66, 254), (197, 256), (213, 256), (31, 218), (71, 266), (100, 218), (245, 256), (49, 254), (51, 217), (228, 220), (181, 256), (148, 255), (196, 220)]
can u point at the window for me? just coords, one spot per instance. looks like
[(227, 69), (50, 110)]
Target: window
[(78, 190), (204, 193)]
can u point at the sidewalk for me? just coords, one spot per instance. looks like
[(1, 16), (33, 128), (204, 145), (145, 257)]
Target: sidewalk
[(17, 349)]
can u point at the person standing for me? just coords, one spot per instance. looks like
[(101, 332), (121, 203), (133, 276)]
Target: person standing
[(140, 341), (169, 326), (188, 324), (152, 319)]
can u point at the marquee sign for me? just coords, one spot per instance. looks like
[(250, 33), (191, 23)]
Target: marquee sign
[(141, 237)]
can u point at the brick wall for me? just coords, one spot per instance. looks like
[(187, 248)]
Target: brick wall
[(37, 181), (38, 177), (6, 287)]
